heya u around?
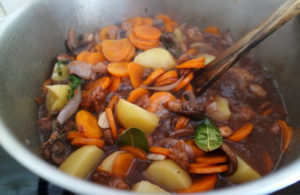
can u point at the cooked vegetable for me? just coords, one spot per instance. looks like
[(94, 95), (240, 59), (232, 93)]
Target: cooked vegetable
[(95, 58), (134, 137), (113, 101), (82, 161), (60, 72), (201, 185), (162, 171), (244, 173), (287, 133), (212, 159), (122, 164), (136, 93), (115, 84), (197, 151), (135, 72), (159, 99), (82, 141), (137, 152), (87, 124), (156, 58), (219, 109), (182, 122), (107, 163), (116, 50), (167, 78), (118, 69), (241, 133), (184, 82), (208, 58), (74, 83), (102, 121), (207, 136), (194, 63), (103, 34), (154, 74), (212, 30), (138, 117), (111, 121), (147, 187), (56, 97), (159, 150), (208, 169), (147, 32)]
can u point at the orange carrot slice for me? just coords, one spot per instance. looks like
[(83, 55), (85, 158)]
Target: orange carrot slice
[(95, 57), (130, 54), (146, 32), (73, 134), (287, 133), (135, 72), (141, 44), (115, 84), (137, 93), (212, 30), (208, 169), (164, 17), (158, 100), (81, 141), (241, 133), (116, 50), (103, 82), (134, 21), (212, 159), (203, 184), (169, 27), (182, 122), (184, 82), (189, 87), (118, 69), (103, 33), (197, 151), (194, 63), (137, 152), (98, 47), (113, 101), (167, 78), (111, 121), (153, 75), (147, 21), (87, 124), (122, 164), (159, 150), (83, 56)]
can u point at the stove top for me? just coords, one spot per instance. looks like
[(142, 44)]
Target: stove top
[(15, 179)]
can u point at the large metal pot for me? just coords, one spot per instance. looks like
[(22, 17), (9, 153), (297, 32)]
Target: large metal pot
[(34, 34)]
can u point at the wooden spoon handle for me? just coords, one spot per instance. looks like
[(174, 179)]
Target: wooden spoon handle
[(226, 59)]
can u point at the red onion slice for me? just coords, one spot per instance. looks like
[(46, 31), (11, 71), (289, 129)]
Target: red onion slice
[(164, 88), (70, 108)]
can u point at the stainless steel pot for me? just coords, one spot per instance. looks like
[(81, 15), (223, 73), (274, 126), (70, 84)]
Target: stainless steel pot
[(34, 34)]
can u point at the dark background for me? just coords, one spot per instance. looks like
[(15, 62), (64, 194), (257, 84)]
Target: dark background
[(16, 180)]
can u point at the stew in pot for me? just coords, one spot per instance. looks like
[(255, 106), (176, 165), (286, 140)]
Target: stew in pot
[(121, 109)]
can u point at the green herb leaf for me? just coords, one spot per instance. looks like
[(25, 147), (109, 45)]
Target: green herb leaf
[(59, 63), (134, 137), (207, 136), (75, 81)]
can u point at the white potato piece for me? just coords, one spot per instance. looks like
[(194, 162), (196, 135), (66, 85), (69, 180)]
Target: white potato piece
[(147, 187), (107, 164), (244, 173), (56, 97), (219, 109), (156, 58), (208, 58), (131, 115), (62, 75), (82, 161), (168, 174)]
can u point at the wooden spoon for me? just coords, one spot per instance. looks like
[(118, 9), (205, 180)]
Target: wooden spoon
[(226, 59)]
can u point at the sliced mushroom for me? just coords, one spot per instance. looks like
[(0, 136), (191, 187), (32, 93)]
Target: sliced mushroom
[(233, 163)]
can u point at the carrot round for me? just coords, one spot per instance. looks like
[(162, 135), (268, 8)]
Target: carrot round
[(83, 56), (136, 93), (203, 184), (135, 72), (159, 99), (113, 101), (111, 121), (116, 50), (182, 122), (212, 30), (164, 17), (134, 21), (166, 78), (159, 150), (138, 153), (87, 124), (146, 32), (169, 27), (103, 82), (189, 87), (103, 33), (98, 47), (130, 54), (241, 133), (184, 82), (95, 57), (214, 159), (197, 151), (142, 44), (147, 21), (153, 75), (115, 84), (122, 164), (118, 69), (194, 63), (287, 133), (208, 169), (81, 141), (73, 134)]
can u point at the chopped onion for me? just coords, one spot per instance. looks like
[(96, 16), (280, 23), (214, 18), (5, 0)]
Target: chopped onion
[(70, 108)]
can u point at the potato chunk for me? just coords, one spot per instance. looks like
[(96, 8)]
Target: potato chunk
[(219, 109), (131, 115), (107, 164), (82, 161), (56, 97), (156, 58), (147, 187), (244, 173), (169, 174), (60, 73)]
